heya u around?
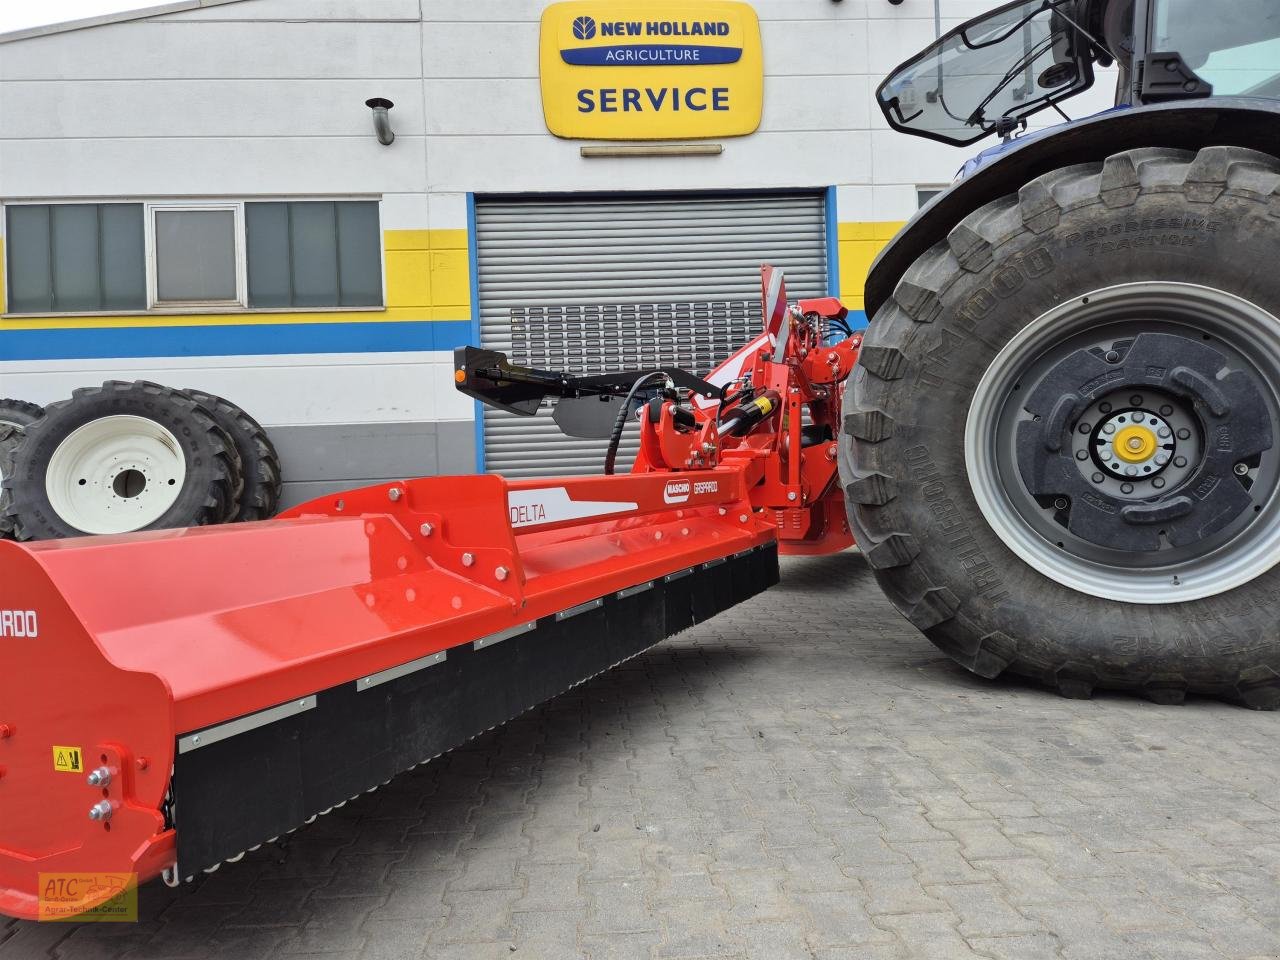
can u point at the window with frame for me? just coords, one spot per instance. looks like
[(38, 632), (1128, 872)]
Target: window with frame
[(195, 256), (312, 254), (228, 255), (75, 257), (926, 194)]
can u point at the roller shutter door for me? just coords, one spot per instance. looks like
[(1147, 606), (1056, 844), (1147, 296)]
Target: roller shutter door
[(595, 285)]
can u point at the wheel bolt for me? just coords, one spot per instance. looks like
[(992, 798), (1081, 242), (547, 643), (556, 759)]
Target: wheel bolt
[(1139, 417), (1060, 503), (1166, 411), (1158, 483), (1085, 427), (1113, 356), (1105, 407), (1126, 488), (1136, 400), (1110, 428), (1098, 478), (1184, 434), (1164, 433), (1082, 454), (1242, 469), (1179, 461)]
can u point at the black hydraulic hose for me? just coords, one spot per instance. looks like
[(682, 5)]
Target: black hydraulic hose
[(620, 423)]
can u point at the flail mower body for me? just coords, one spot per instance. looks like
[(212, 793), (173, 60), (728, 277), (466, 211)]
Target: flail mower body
[(171, 699)]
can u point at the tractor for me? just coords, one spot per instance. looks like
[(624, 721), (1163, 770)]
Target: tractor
[(1059, 448), (1055, 445)]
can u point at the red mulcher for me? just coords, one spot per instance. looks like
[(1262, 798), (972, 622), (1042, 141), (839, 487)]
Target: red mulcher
[(172, 699)]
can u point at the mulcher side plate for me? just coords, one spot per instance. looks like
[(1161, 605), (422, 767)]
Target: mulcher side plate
[(235, 793)]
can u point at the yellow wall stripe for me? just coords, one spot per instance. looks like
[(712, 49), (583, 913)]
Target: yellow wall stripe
[(427, 276), (427, 279), (860, 243)]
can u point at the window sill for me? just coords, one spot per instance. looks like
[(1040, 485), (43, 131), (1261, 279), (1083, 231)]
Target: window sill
[(190, 311)]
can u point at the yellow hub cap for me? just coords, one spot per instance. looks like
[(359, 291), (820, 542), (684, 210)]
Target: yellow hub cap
[(1135, 444)]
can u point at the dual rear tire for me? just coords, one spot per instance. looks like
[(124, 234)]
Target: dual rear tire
[(138, 456), (15, 417)]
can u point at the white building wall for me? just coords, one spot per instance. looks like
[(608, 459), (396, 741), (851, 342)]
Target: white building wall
[(266, 98)]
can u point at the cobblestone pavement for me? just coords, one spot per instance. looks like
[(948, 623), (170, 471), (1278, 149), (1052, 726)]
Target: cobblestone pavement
[(803, 777)]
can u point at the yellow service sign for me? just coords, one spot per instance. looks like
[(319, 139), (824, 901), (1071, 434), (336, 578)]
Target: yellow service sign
[(651, 70)]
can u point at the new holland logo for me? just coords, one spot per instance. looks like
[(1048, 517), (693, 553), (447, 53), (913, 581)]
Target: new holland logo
[(647, 43)]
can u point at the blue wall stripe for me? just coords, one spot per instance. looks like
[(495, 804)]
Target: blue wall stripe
[(88, 343), (473, 262)]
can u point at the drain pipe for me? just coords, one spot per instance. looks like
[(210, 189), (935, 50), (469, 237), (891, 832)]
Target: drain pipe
[(382, 119)]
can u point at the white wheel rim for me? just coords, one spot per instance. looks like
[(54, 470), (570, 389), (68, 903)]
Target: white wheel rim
[(115, 474), (1231, 318)]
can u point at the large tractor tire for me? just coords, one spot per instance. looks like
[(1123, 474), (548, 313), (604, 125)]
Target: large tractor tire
[(1061, 450), (14, 416), (10, 437), (259, 462), (118, 458), (19, 413)]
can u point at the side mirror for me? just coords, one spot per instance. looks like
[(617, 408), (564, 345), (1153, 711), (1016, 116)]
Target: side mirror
[(1058, 75)]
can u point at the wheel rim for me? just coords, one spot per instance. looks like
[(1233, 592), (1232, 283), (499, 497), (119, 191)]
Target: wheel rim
[(115, 474), (1187, 507)]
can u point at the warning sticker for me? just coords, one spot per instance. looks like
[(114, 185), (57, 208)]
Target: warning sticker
[(68, 759)]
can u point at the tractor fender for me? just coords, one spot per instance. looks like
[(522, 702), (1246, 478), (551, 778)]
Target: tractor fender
[(1189, 125)]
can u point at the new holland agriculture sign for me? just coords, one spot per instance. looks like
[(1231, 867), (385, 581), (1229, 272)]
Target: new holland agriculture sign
[(651, 69)]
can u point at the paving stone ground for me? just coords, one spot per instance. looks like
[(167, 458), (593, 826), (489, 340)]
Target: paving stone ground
[(803, 777)]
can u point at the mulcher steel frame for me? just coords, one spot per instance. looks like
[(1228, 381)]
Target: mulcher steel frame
[(228, 684)]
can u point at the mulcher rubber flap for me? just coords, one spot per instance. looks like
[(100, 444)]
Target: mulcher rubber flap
[(242, 791), (1237, 426)]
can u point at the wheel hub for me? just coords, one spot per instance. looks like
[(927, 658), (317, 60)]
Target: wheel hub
[(1135, 445), (1122, 443)]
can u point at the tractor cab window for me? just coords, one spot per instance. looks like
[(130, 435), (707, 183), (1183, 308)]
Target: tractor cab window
[(1239, 53), (989, 74)]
